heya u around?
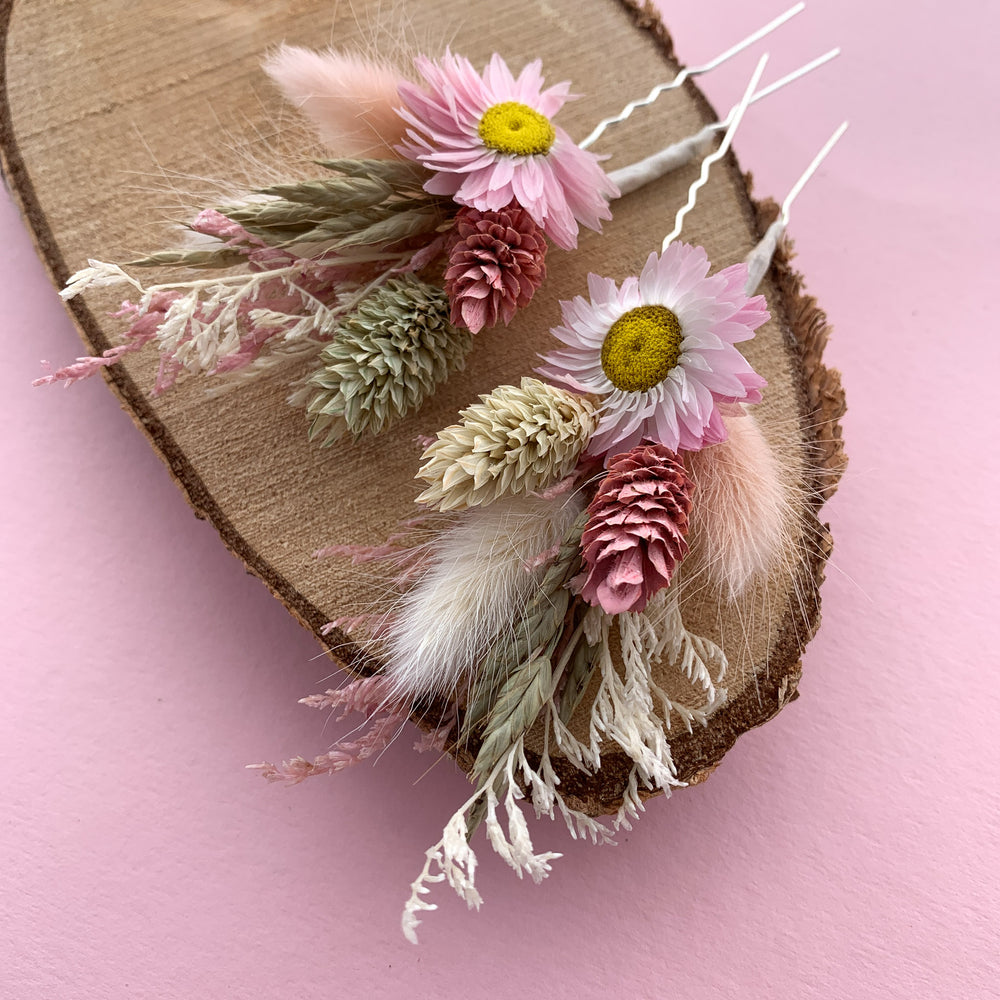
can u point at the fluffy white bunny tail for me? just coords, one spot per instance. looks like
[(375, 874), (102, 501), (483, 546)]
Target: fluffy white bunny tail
[(478, 580), (742, 513), (348, 98)]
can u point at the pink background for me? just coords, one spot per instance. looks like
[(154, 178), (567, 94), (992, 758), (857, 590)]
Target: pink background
[(848, 849)]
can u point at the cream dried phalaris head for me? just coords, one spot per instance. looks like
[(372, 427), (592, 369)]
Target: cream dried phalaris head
[(518, 439)]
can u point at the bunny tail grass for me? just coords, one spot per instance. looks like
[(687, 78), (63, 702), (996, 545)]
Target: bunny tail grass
[(743, 512), (477, 583), (347, 98)]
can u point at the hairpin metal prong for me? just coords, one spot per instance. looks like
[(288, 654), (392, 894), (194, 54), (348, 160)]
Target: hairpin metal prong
[(690, 71), (759, 259), (682, 152), (706, 164)]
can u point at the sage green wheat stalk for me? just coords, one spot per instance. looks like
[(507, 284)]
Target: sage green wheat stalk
[(579, 672), (518, 704), (202, 259), (538, 629), (367, 203)]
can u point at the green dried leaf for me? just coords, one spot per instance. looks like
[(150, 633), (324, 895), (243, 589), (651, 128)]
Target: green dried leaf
[(539, 628), (401, 174), (370, 202), (222, 257), (578, 676), (518, 704), (400, 226), (339, 192), (478, 811), (272, 214)]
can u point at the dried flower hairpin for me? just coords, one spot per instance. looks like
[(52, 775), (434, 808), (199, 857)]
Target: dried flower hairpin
[(363, 288), (586, 506)]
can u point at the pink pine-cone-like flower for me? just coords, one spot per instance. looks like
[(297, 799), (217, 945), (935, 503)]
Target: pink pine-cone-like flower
[(496, 261), (489, 141), (635, 529)]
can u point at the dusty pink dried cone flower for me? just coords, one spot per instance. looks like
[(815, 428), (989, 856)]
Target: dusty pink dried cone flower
[(635, 529), (496, 261)]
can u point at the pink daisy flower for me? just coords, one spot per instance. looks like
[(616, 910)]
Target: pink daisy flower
[(490, 141), (659, 351)]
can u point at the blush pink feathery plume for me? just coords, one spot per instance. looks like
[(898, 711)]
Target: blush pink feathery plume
[(635, 530), (348, 98), (740, 527)]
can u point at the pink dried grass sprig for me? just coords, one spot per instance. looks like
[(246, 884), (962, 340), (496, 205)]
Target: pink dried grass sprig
[(302, 280), (408, 540), (350, 623), (496, 262), (368, 696), (364, 695), (349, 99), (635, 530), (406, 550), (380, 734), (319, 279), (140, 333)]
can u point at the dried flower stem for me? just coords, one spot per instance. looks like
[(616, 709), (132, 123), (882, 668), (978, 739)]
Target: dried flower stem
[(540, 624)]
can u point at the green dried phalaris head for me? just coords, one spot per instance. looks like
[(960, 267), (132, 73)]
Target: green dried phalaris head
[(364, 203), (387, 357)]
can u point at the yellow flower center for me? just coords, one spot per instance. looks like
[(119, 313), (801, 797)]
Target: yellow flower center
[(516, 129), (641, 348)]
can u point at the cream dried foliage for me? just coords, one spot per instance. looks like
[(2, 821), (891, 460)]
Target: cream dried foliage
[(518, 439), (630, 711), (386, 358)]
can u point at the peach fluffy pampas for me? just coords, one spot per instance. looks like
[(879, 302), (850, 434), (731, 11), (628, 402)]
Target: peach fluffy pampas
[(741, 522), (348, 98)]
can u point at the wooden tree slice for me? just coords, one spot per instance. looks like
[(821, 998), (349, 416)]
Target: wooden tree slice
[(109, 110)]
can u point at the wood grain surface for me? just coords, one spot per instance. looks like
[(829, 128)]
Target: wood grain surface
[(120, 117)]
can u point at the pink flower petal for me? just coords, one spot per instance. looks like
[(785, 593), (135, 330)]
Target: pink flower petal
[(682, 411), (561, 189)]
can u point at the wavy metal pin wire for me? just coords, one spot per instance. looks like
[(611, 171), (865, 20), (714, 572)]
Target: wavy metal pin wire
[(636, 175), (689, 72), (706, 164), (759, 259)]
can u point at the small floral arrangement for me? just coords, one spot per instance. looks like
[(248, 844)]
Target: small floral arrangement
[(365, 285), (574, 510), (583, 505), (559, 581)]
